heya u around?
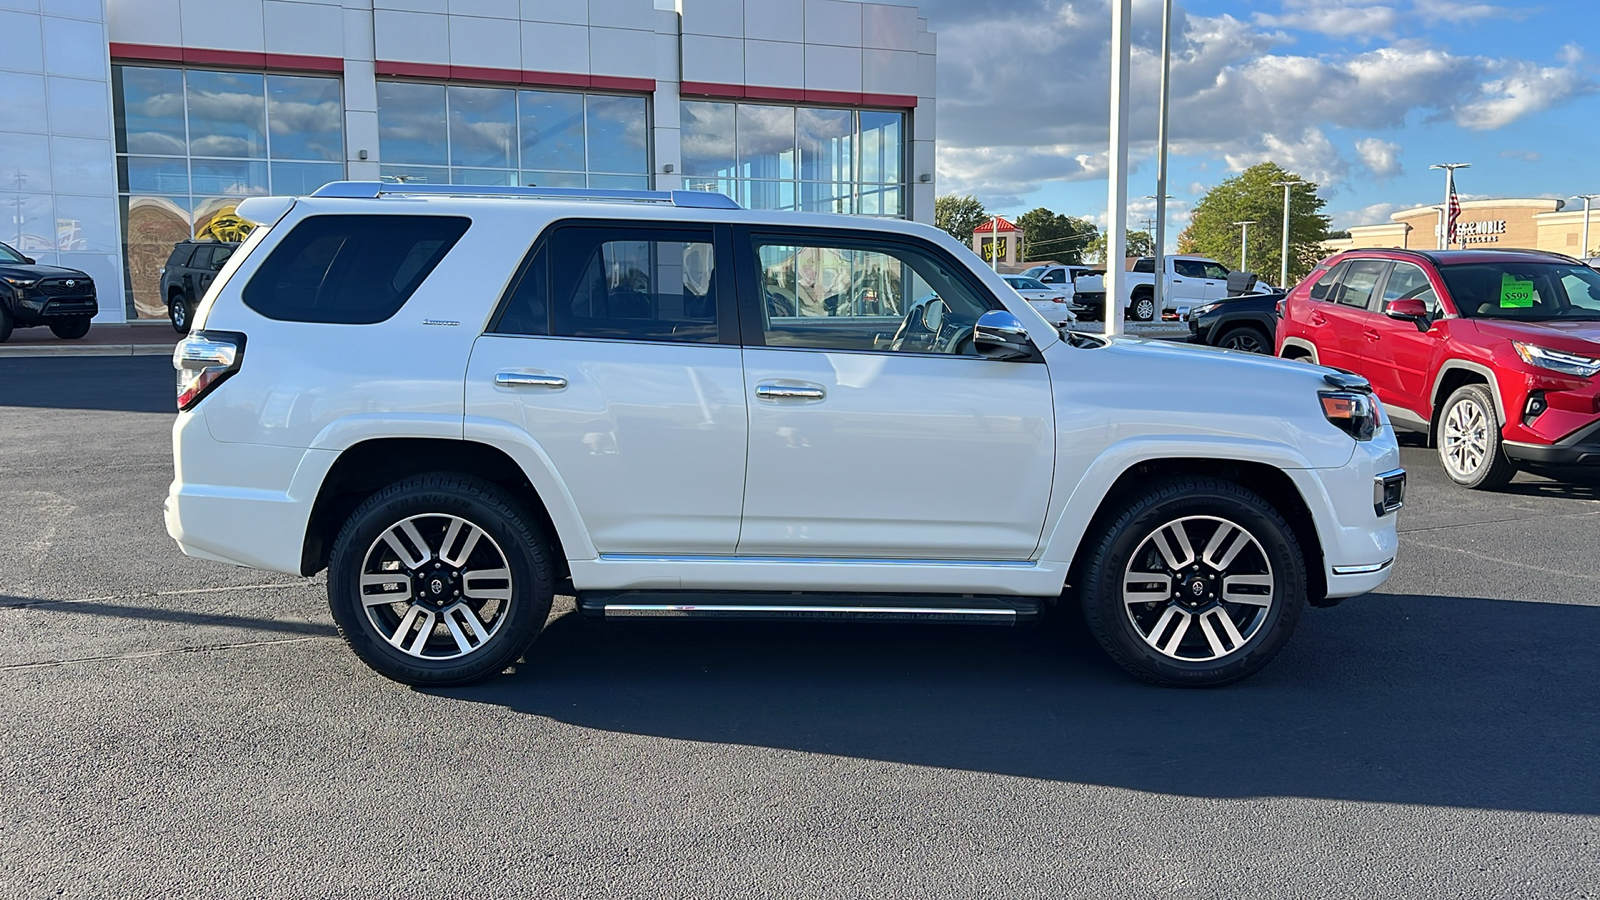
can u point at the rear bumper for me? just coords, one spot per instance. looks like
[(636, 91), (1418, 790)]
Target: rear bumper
[(1581, 448)]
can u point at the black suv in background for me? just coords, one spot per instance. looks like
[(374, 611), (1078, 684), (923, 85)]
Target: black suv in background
[(31, 294), (190, 269), (1246, 323)]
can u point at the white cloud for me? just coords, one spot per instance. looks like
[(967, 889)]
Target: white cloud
[(1524, 155), (1334, 18), (1433, 11), (1023, 88), (1376, 214), (1379, 156)]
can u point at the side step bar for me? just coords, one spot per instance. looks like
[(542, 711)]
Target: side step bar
[(732, 605)]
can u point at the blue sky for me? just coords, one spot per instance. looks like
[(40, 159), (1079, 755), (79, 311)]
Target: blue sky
[(1361, 95)]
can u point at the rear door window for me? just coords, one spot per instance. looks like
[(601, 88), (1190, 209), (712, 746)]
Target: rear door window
[(1359, 281), (351, 269), (180, 256), (639, 284)]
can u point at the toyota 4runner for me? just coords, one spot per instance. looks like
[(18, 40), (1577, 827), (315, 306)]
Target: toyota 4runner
[(461, 401)]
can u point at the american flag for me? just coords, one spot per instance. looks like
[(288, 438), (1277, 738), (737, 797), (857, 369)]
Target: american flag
[(1453, 214)]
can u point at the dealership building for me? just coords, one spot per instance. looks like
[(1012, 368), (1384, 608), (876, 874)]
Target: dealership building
[(129, 125), (1531, 224)]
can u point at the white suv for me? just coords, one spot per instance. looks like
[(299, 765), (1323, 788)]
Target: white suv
[(461, 401)]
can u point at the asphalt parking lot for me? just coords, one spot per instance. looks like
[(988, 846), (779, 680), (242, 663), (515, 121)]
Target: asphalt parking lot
[(179, 728)]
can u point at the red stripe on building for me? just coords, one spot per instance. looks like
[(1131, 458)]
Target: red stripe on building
[(240, 59), (795, 95)]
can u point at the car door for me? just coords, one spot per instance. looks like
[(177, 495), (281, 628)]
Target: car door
[(1216, 280), (616, 353), (1397, 357), (198, 264), (1188, 285), (875, 431), (207, 274)]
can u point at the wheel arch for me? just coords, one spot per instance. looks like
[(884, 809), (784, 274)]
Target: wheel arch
[(366, 467), (1454, 374), (1299, 348), (1268, 480)]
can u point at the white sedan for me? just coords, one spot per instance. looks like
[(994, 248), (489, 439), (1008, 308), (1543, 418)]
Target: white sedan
[(1053, 305)]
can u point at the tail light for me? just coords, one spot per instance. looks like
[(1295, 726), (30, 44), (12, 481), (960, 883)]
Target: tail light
[(1282, 306), (204, 360)]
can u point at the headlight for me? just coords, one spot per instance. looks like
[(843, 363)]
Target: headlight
[(1557, 361), (1353, 412), (20, 282), (1199, 311)]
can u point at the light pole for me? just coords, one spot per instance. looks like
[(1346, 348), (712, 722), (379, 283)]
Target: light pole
[(1244, 244), (1283, 272), (994, 243), (1449, 191), (1586, 198), (1117, 169), (1161, 197)]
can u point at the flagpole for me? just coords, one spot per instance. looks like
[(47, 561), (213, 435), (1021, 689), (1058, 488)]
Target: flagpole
[(1449, 192)]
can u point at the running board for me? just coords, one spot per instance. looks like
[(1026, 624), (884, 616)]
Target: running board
[(735, 606)]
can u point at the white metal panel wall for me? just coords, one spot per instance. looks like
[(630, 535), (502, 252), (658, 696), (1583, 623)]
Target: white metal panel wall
[(58, 186)]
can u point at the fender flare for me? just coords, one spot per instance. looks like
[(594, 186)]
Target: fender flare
[(1302, 344), (1456, 365), (1064, 538)]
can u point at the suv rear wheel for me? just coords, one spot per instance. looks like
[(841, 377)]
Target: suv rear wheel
[(1469, 440), (1143, 307), (439, 579), (1196, 582), (179, 313)]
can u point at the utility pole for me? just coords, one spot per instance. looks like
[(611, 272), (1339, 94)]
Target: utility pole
[(1283, 274), (1449, 189), (1161, 197), (994, 243), (1244, 244), (1117, 171)]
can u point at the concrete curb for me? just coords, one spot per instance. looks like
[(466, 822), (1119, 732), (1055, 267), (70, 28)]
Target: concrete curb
[(88, 350)]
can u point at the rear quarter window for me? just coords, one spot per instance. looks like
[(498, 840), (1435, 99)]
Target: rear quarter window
[(350, 269)]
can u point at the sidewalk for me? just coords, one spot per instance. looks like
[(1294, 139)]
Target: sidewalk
[(154, 339)]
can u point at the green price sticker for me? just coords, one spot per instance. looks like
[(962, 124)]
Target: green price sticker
[(1515, 293)]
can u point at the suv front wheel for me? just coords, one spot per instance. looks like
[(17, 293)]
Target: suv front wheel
[(439, 579), (1469, 440), (1196, 582)]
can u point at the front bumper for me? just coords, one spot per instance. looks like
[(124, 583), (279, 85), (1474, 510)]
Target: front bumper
[(34, 309), (1581, 448)]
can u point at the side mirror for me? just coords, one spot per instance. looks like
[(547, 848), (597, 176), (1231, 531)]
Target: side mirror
[(1000, 335), (1411, 309), (27, 261)]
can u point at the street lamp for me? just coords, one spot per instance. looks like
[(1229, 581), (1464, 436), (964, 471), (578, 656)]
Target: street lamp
[(1449, 191), (1117, 165), (1283, 273), (1586, 198), (1161, 197), (1244, 244)]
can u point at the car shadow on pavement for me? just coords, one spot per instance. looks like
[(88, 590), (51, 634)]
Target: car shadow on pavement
[(172, 616), (1394, 699), (111, 383)]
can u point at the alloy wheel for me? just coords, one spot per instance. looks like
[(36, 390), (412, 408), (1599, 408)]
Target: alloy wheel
[(1245, 341), (436, 586), (1145, 309), (1198, 588), (1464, 440)]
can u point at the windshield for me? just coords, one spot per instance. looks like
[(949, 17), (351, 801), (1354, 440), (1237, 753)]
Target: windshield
[(8, 255), (1034, 272), (1026, 284), (1526, 291)]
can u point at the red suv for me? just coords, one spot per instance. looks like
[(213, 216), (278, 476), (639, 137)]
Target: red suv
[(1492, 353)]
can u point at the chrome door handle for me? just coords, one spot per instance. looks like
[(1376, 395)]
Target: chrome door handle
[(528, 379), (788, 392)]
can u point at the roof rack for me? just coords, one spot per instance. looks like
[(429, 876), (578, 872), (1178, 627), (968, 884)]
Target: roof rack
[(372, 190)]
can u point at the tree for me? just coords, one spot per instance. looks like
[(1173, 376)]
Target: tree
[(1252, 195), (959, 216), (1140, 243), (1047, 235)]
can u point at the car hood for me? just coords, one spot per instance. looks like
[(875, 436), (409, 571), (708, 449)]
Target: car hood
[(1203, 360), (1577, 337), (15, 270)]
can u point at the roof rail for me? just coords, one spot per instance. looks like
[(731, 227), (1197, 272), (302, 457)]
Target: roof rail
[(372, 190)]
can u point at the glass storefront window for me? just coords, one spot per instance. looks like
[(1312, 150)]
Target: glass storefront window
[(502, 136), (191, 143), (786, 157)]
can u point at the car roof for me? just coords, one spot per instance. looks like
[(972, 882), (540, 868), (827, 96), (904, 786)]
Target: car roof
[(1456, 257)]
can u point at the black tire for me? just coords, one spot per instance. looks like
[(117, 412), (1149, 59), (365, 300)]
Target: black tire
[(1478, 441), (5, 324), (179, 314), (1196, 503), (428, 502), (1142, 307), (70, 328), (1248, 338)]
